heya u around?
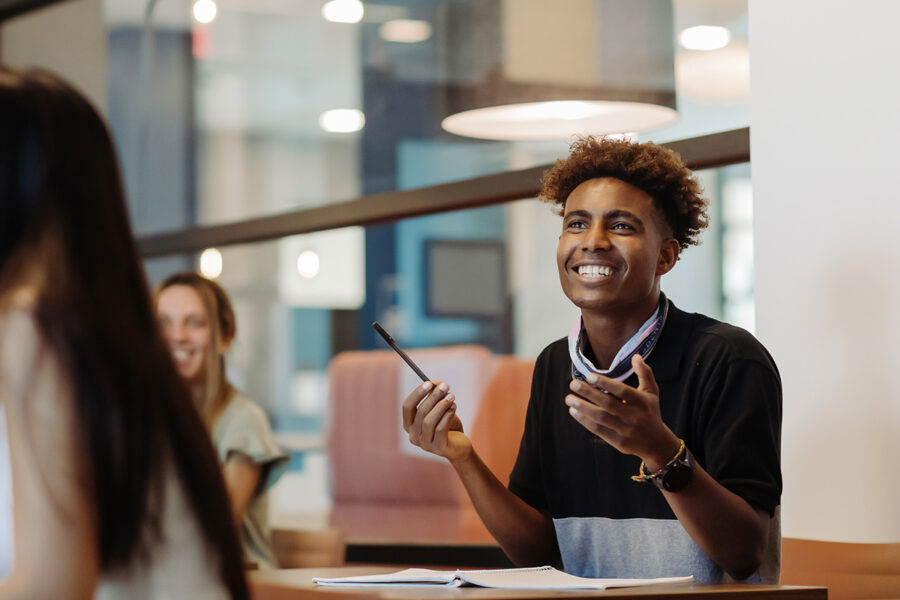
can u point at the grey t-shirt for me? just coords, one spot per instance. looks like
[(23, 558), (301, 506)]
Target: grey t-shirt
[(243, 428)]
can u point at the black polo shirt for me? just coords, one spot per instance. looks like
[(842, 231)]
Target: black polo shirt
[(719, 391)]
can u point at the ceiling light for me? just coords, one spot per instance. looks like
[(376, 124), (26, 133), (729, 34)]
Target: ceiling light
[(211, 263), (205, 11), (308, 264), (343, 11), (704, 37), (558, 119), (514, 91), (342, 120), (407, 31)]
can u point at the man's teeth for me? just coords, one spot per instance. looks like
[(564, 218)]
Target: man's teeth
[(594, 271)]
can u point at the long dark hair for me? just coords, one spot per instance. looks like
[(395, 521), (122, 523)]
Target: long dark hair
[(62, 211)]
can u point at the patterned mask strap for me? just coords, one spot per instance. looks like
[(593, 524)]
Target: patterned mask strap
[(641, 343)]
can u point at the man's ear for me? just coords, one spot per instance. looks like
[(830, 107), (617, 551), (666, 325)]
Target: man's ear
[(668, 256)]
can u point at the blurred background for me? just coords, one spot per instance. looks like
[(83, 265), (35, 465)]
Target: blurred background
[(225, 111)]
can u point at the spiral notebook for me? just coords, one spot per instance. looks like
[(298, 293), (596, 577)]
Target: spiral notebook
[(531, 578)]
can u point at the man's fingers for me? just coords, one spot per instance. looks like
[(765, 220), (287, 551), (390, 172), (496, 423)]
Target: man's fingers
[(443, 426), (646, 380), (424, 407), (412, 401), (597, 396), (601, 424), (619, 391), (624, 392), (433, 417), (592, 413)]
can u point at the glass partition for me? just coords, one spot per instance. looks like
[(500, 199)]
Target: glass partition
[(232, 114)]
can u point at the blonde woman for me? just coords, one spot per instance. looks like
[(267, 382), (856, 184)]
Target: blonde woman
[(198, 324)]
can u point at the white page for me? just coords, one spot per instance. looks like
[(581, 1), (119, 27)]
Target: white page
[(407, 577), (548, 578), (532, 578)]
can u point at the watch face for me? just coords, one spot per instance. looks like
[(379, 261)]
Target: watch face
[(678, 476)]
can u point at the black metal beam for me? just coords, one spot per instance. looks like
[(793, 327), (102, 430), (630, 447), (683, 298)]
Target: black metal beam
[(715, 150), (14, 8)]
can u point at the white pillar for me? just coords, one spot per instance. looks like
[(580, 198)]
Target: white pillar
[(825, 148)]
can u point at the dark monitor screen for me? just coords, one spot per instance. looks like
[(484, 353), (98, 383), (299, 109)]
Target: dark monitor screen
[(465, 279)]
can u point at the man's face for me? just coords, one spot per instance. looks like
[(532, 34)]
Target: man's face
[(613, 248)]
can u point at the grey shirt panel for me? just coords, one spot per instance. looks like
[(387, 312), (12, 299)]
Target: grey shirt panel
[(603, 547)]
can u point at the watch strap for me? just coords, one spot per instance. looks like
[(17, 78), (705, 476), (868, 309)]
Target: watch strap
[(674, 475)]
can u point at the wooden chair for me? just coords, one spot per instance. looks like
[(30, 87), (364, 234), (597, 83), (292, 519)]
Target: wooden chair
[(848, 570), (307, 548)]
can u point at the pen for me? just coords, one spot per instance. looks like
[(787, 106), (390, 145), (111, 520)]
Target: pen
[(387, 337)]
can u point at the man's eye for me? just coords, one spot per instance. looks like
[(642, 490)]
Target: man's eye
[(576, 225), (624, 226)]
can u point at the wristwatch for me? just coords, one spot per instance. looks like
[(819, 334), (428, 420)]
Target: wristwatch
[(677, 474)]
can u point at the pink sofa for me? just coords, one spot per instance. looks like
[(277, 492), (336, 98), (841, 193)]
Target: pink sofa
[(381, 488)]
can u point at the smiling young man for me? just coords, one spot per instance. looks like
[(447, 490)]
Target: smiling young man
[(652, 438)]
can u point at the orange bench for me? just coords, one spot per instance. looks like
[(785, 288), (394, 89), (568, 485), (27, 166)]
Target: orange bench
[(848, 570)]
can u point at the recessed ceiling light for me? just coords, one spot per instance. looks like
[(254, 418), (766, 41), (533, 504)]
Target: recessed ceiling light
[(704, 37), (343, 11), (205, 11), (211, 263), (308, 264), (407, 31), (342, 120)]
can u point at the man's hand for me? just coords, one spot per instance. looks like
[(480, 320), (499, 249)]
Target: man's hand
[(429, 417), (626, 418)]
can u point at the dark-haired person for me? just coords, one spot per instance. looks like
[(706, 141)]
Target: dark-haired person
[(198, 323), (652, 436), (115, 489)]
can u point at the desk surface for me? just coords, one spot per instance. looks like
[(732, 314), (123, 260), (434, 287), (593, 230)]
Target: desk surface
[(276, 583)]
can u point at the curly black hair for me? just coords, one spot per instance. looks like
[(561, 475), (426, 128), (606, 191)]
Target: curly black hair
[(653, 169)]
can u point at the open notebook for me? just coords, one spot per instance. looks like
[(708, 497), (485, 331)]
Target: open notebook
[(532, 578)]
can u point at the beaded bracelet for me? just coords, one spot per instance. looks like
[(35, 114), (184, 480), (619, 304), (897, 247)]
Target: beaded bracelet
[(644, 475)]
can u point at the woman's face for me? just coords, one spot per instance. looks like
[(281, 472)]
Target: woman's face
[(186, 328)]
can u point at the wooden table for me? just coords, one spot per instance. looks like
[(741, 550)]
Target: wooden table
[(287, 584)]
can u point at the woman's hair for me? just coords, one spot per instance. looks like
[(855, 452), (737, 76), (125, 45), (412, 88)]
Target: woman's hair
[(63, 216), (222, 328), (657, 171)]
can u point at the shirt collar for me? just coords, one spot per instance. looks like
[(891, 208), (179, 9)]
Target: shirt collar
[(666, 359)]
